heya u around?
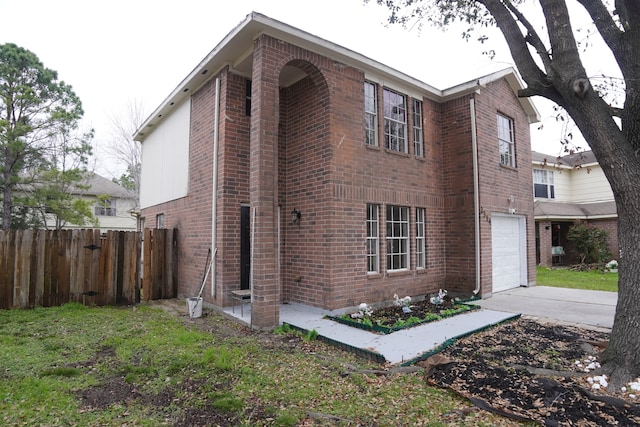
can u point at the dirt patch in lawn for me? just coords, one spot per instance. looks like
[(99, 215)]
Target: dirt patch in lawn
[(528, 370)]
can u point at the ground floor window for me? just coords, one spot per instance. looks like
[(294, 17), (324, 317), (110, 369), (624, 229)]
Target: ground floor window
[(373, 257), (420, 243), (397, 238)]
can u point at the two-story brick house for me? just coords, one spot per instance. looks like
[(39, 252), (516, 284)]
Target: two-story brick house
[(322, 177)]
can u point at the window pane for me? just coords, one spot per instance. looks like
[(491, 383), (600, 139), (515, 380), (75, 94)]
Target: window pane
[(372, 239), (506, 141), (540, 190), (395, 121), (397, 237), (370, 116)]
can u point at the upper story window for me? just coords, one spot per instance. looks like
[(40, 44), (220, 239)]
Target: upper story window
[(543, 184), (418, 139), (395, 121), (106, 207), (370, 114), (373, 240), (506, 141), (397, 238)]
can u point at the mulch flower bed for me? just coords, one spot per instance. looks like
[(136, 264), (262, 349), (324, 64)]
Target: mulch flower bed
[(390, 319), (531, 371)]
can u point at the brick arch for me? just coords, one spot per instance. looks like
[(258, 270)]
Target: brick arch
[(305, 156)]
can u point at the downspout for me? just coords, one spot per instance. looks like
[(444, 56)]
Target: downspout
[(476, 195), (214, 202)]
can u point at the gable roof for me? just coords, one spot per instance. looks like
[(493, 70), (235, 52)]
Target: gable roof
[(236, 51), (574, 160), (99, 185)]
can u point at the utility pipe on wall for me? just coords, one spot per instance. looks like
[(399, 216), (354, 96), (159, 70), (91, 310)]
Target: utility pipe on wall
[(214, 196), (476, 195)]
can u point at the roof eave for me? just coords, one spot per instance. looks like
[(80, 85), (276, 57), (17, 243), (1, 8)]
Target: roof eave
[(510, 75)]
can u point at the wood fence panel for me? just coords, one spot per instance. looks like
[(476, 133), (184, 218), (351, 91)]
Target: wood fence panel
[(6, 272), (23, 248), (46, 268), (158, 273), (160, 264), (39, 269), (146, 267), (130, 269)]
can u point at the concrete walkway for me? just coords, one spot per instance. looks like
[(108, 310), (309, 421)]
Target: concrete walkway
[(567, 306)]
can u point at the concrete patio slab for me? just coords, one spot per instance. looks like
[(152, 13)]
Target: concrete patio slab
[(561, 305), (396, 348)]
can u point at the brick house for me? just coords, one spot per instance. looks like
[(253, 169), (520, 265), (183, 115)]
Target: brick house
[(568, 189), (337, 180)]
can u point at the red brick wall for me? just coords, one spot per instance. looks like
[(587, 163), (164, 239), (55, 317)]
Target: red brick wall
[(501, 187), (303, 147)]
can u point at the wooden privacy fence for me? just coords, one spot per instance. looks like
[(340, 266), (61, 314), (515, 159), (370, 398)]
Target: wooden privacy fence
[(49, 268)]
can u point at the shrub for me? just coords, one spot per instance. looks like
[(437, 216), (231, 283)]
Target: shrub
[(590, 242)]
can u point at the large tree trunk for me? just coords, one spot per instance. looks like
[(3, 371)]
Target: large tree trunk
[(621, 358)]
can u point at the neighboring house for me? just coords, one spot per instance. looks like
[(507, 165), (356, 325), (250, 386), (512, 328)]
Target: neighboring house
[(115, 210), (568, 189), (322, 177)]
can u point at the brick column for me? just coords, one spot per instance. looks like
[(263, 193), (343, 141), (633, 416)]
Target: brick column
[(545, 231), (263, 183)]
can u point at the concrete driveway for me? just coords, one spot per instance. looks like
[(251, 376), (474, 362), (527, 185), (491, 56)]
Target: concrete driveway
[(571, 306)]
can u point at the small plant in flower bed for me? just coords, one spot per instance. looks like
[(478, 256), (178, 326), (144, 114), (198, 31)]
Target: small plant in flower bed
[(404, 313)]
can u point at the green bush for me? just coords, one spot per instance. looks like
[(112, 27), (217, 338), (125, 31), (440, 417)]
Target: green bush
[(590, 242)]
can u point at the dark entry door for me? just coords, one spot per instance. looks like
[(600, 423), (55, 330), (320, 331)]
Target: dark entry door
[(245, 246)]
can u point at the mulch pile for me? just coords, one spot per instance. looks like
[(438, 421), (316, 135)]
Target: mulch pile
[(526, 370)]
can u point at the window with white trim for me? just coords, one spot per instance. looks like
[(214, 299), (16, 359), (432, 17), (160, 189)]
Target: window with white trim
[(395, 121), (421, 253), (160, 221), (370, 114), (506, 141), (418, 139), (397, 238), (373, 240), (106, 207), (543, 187)]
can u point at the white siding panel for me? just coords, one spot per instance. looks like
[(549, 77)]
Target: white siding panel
[(590, 185), (165, 159), (562, 183)]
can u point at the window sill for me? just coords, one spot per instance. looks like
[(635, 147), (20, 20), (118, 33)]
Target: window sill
[(512, 168), (420, 158), (395, 273), (371, 147), (396, 153), (374, 275)]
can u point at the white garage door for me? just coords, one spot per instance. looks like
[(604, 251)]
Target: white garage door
[(508, 240)]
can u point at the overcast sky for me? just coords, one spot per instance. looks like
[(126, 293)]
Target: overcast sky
[(115, 52)]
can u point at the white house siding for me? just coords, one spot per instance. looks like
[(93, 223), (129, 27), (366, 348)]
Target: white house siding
[(123, 220), (588, 185), (167, 149), (562, 184)]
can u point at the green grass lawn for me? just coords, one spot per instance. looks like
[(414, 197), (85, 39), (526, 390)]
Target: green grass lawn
[(101, 366), (566, 278)]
